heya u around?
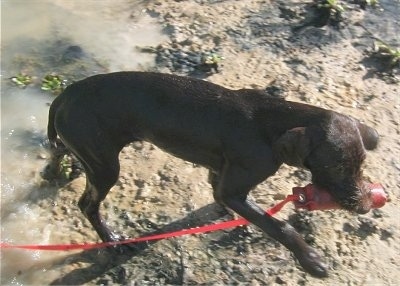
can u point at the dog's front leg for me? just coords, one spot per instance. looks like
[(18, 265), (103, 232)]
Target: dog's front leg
[(233, 188)]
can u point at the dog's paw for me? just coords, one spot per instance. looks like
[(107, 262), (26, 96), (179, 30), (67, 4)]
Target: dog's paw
[(126, 249), (121, 248), (312, 263)]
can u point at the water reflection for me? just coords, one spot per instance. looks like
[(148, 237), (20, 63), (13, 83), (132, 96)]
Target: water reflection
[(73, 38)]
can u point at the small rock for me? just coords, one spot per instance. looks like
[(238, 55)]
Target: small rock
[(387, 233), (42, 156), (275, 91), (279, 280), (138, 145), (377, 213), (367, 226)]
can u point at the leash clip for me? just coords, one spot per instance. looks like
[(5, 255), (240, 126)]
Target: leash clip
[(301, 198), (310, 198)]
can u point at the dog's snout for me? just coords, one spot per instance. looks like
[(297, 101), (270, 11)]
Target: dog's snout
[(372, 196)]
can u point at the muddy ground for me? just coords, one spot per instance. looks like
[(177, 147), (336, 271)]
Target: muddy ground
[(264, 45)]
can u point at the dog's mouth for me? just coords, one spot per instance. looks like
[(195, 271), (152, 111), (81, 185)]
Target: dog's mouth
[(357, 199), (368, 196)]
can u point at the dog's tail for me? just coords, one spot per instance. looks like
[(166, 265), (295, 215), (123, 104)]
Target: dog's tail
[(57, 149), (51, 130)]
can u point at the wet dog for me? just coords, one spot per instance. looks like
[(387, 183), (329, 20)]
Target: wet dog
[(241, 136)]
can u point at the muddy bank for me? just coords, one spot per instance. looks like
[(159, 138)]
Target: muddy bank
[(264, 45)]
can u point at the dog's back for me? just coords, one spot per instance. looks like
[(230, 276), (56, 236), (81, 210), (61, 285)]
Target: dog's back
[(190, 118)]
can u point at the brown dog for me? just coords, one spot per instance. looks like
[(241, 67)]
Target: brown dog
[(241, 136)]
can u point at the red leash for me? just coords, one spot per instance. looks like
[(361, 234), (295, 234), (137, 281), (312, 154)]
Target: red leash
[(194, 230)]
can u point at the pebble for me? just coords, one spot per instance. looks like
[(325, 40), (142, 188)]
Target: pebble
[(42, 156), (387, 233), (367, 225)]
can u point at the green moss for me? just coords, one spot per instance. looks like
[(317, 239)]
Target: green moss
[(53, 83), (21, 80)]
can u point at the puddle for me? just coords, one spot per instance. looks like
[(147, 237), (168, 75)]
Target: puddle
[(35, 36)]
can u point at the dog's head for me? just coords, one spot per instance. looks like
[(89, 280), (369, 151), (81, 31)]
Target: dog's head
[(334, 151)]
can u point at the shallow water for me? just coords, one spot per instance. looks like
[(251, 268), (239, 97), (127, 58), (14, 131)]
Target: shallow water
[(37, 32)]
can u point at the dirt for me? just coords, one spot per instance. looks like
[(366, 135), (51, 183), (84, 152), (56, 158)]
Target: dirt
[(264, 46)]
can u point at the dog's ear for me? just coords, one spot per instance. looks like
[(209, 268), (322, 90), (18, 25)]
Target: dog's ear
[(370, 136), (293, 146)]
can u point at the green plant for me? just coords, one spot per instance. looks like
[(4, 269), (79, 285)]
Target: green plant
[(53, 83), (332, 5), (382, 49), (364, 3), (211, 59), (372, 2), (210, 62), (326, 12), (66, 167), (21, 80)]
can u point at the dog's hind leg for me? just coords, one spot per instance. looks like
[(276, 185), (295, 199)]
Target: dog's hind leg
[(102, 171), (89, 204), (98, 152)]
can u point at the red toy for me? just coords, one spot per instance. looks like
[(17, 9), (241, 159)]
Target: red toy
[(312, 198)]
